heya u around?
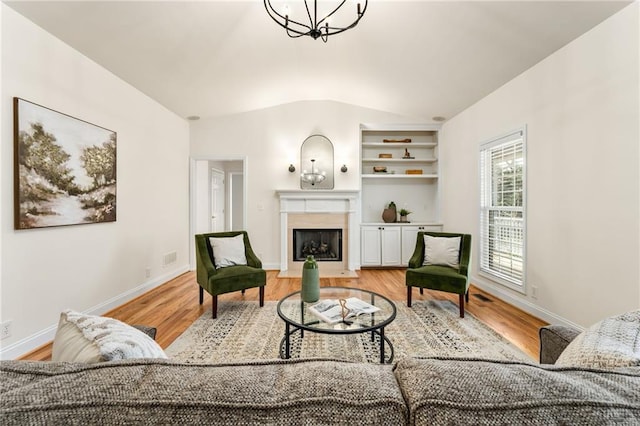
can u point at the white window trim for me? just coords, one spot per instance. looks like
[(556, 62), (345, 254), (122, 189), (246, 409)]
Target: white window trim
[(505, 281)]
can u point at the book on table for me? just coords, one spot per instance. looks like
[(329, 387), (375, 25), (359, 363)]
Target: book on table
[(335, 310)]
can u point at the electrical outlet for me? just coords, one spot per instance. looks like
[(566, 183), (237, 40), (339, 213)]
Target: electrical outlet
[(147, 272), (534, 292), (5, 330)]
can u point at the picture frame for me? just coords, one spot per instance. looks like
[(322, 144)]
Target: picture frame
[(64, 169)]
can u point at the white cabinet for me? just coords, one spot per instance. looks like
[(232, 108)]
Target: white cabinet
[(409, 235), (390, 244), (381, 245)]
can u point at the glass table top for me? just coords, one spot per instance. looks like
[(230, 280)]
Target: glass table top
[(339, 318)]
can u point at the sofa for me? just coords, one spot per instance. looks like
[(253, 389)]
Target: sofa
[(429, 391)]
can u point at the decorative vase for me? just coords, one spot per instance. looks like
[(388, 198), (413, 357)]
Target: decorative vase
[(310, 281), (389, 215)]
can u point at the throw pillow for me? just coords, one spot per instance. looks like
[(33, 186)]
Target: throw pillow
[(92, 339), (612, 342), (228, 251), (444, 251)]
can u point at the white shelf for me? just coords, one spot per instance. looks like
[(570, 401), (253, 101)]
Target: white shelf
[(399, 144), (399, 176), (399, 160)]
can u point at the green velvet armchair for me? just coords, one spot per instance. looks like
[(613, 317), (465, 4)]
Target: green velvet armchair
[(437, 277), (230, 278)]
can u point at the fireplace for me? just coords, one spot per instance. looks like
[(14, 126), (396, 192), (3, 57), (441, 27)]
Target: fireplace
[(319, 211), (325, 245)]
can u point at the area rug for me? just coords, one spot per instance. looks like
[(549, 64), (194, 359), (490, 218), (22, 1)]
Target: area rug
[(244, 331)]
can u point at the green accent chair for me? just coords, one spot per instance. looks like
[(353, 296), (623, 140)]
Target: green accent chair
[(436, 277), (230, 278)]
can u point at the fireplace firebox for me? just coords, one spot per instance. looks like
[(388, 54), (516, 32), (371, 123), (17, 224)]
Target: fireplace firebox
[(323, 244)]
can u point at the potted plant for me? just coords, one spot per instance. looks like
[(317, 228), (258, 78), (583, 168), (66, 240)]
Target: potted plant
[(403, 215)]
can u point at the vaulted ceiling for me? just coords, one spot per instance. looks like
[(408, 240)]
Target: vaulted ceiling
[(416, 58)]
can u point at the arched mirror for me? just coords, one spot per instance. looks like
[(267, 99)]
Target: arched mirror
[(316, 163)]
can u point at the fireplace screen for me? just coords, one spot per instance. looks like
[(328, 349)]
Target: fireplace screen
[(323, 244)]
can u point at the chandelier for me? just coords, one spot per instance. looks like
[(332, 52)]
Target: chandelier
[(313, 25), (313, 177)]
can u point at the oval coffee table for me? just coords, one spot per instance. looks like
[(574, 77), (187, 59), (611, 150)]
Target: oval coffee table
[(298, 317)]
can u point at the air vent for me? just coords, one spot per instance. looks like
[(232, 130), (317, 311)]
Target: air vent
[(169, 258)]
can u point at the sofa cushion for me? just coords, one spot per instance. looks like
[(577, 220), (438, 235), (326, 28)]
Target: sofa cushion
[(163, 392), (475, 392), (90, 338), (612, 342)]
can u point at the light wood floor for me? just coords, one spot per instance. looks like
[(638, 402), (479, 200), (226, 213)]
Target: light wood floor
[(173, 307)]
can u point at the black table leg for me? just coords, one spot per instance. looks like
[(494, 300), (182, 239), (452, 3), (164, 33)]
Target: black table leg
[(287, 335), (382, 345)]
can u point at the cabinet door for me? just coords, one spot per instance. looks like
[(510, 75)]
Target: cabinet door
[(370, 245), (391, 248), (409, 234)]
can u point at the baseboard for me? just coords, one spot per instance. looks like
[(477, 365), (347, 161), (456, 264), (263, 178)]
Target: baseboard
[(26, 345), (523, 304)]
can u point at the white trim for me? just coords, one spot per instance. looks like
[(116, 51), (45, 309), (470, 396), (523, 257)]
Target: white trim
[(42, 337), (523, 304)]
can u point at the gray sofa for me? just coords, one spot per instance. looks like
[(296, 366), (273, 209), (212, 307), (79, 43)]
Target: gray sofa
[(433, 391)]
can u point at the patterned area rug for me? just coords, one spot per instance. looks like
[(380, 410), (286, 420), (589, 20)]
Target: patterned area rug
[(244, 331)]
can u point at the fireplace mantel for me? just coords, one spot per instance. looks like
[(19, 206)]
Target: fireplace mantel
[(320, 202)]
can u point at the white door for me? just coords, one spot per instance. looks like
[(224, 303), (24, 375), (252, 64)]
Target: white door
[(217, 201), (391, 247)]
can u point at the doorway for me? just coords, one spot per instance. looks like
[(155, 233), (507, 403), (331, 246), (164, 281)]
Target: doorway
[(217, 197)]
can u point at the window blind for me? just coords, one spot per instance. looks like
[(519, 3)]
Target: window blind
[(502, 209)]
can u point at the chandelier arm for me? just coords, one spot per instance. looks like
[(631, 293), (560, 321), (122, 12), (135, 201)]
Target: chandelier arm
[(317, 24), (312, 24), (273, 13)]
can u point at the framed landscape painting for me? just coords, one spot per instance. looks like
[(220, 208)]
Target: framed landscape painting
[(64, 171)]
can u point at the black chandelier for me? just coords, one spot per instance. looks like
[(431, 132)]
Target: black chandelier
[(317, 27)]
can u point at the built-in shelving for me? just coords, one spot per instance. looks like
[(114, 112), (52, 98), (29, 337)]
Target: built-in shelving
[(411, 183)]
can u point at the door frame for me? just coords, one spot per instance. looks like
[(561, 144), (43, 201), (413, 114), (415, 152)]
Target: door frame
[(192, 196)]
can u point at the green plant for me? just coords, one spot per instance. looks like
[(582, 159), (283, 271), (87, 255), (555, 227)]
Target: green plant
[(404, 212)]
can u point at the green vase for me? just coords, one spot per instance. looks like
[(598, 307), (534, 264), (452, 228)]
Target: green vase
[(310, 281)]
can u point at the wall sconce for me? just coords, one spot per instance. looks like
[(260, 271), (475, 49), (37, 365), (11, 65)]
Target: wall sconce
[(343, 169), (292, 168)]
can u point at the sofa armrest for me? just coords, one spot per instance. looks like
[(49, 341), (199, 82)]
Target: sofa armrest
[(149, 331), (553, 340)]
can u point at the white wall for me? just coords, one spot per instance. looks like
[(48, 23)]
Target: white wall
[(91, 267), (271, 140), (581, 106)]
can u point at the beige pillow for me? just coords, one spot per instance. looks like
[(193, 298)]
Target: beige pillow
[(228, 251), (91, 339), (444, 251), (612, 342)]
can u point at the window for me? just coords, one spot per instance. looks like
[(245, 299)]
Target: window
[(502, 209)]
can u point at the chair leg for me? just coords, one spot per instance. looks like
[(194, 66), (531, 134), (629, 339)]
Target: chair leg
[(409, 296), (461, 302), (261, 296), (242, 291), (214, 307), (201, 295), (421, 290), (466, 296)]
